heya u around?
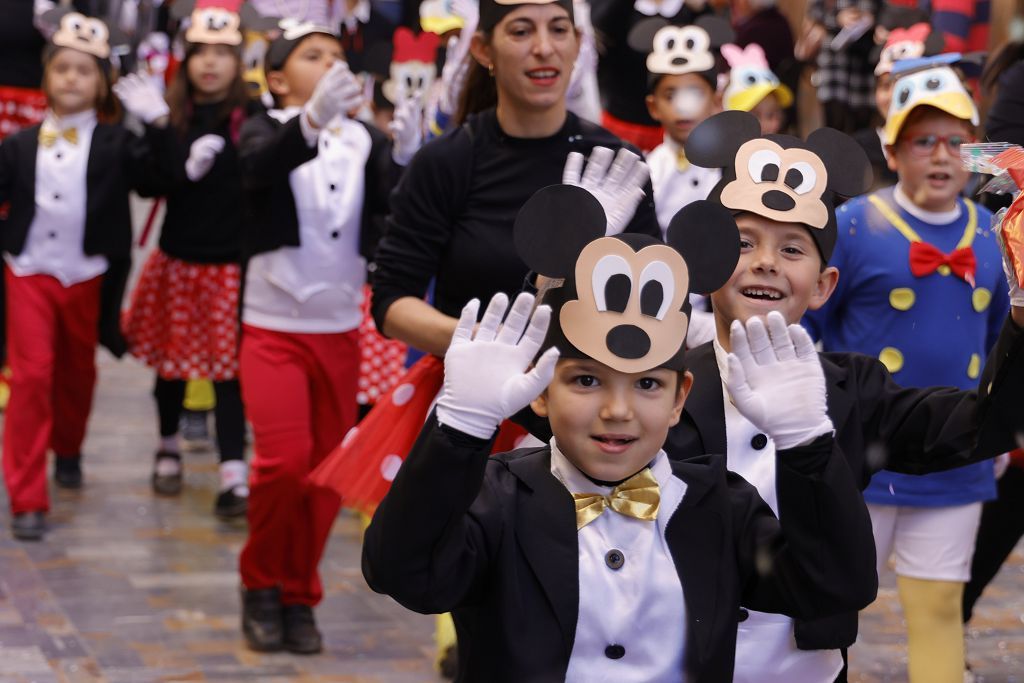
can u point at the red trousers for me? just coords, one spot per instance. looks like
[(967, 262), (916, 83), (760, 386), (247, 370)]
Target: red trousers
[(299, 392), (52, 333)]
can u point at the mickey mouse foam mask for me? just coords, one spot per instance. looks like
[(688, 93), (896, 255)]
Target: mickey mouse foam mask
[(493, 11), (82, 33), (624, 298), (219, 22), (675, 50), (780, 177)]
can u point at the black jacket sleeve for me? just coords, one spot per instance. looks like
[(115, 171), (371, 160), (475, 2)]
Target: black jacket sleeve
[(267, 154)]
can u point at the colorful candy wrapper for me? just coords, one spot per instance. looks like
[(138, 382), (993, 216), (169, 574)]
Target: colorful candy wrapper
[(1006, 162)]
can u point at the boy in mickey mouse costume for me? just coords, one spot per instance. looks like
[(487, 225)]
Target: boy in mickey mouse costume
[(780, 189), (596, 557)]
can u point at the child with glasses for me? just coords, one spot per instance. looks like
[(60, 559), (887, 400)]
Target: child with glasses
[(922, 289)]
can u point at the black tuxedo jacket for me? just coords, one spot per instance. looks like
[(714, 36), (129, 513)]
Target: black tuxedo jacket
[(879, 425), (494, 541), (116, 157)]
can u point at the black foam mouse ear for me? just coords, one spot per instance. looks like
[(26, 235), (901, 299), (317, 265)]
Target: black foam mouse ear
[(849, 171), (641, 36), (718, 29), (934, 43), (553, 227), (713, 143), (705, 233)]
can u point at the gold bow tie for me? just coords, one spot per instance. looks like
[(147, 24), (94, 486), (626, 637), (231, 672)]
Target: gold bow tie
[(682, 163), (638, 497), (48, 137)]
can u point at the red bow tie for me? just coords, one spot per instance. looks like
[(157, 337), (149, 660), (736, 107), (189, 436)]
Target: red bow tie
[(925, 259)]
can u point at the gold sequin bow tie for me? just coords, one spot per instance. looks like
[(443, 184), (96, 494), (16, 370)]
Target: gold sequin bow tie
[(638, 497), (682, 163), (48, 137)]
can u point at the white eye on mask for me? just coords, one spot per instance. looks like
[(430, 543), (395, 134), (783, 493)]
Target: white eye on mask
[(690, 103)]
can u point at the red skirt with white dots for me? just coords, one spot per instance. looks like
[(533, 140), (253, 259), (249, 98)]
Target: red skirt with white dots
[(382, 360), (362, 467), (183, 318)]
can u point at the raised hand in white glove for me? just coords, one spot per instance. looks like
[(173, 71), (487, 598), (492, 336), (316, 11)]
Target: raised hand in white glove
[(141, 98), (407, 129), (202, 154), (337, 93), (1016, 295), (615, 180), (485, 378), (776, 381), (456, 61)]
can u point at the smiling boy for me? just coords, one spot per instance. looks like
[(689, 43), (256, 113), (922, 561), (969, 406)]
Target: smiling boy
[(595, 557), (780, 189)]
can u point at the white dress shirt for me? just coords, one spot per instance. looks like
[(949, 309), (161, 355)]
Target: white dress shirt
[(766, 650), (55, 237), (674, 189), (636, 611), (317, 287)]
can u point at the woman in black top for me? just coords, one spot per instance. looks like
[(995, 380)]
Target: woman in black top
[(183, 319)]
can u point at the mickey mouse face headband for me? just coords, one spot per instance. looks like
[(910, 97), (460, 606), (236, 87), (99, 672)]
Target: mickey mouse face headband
[(79, 32), (623, 301), (780, 177), (927, 82), (674, 50), (493, 11), (219, 22)]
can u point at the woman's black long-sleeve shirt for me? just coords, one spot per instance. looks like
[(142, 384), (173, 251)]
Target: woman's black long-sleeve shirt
[(453, 211)]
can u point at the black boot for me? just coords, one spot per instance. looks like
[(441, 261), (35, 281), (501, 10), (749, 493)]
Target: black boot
[(28, 526), (301, 635), (67, 471), (261, 619)]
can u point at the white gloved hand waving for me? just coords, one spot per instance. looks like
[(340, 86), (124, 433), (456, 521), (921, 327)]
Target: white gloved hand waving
[(202, 154), (776, 381), (485, 374), (337, 93), (141, 98), (407, 129), (615, 180)]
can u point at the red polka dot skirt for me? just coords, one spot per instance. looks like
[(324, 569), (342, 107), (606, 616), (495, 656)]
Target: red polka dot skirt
[(183, 318), (382, 361), (362, 467)]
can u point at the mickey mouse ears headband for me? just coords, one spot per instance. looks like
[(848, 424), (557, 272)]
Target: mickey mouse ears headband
[(927, 81), (780, 177), (493, 11), (293, 32), (76, 31), (674, 50), (624, 299), (219, 22)]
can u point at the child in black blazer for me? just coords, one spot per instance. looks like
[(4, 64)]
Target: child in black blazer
[(596, 556), (66, 247)]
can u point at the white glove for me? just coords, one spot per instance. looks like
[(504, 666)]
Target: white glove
[(140, 98), (1016, 295), (456, 61), (485, 378), (999, 464), (337, 93), (618, 188), (202, 154), (777, 382), (407, 129), (586, 60)]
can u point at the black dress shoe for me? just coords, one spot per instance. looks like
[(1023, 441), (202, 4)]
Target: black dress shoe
[(261, 619), (28, 526), (300, 632), (230, 505), (167, 484), (67, 471)]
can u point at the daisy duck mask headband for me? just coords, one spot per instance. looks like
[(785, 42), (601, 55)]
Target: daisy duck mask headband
[(751, 79)]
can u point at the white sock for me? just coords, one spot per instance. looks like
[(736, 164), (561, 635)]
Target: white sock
[(234, 475), (167, 467), (169, 443)]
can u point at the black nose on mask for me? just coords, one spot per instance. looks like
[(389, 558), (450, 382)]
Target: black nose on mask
[(628, 341), (778, 200)]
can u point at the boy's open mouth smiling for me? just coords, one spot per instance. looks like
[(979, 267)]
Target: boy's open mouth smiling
[(762, 293)]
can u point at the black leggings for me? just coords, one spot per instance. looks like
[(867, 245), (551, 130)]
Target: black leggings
[(228, 413), (1002, 525)]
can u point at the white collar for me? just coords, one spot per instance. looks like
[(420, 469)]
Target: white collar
[(284, 115), (930, 217), (82, 119), (577, 482), (652, 8), (721, 356), (360, 13)]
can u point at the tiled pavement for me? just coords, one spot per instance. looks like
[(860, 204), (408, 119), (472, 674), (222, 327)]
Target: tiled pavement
[(131, 588)]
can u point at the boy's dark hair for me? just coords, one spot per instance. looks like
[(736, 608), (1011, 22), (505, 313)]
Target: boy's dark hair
[(710, 77), (180, 93)]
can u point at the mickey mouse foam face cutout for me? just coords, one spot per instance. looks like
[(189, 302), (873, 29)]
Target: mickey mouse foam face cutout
[(937, 86), (907, 43), (624, 299), (675, 50), (780, 177), (219, 22), (83, 33)]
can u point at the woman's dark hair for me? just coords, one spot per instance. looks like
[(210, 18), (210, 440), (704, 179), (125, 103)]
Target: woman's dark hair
[(108, 108), (1005, 57), (180, 92), (479, 92)]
